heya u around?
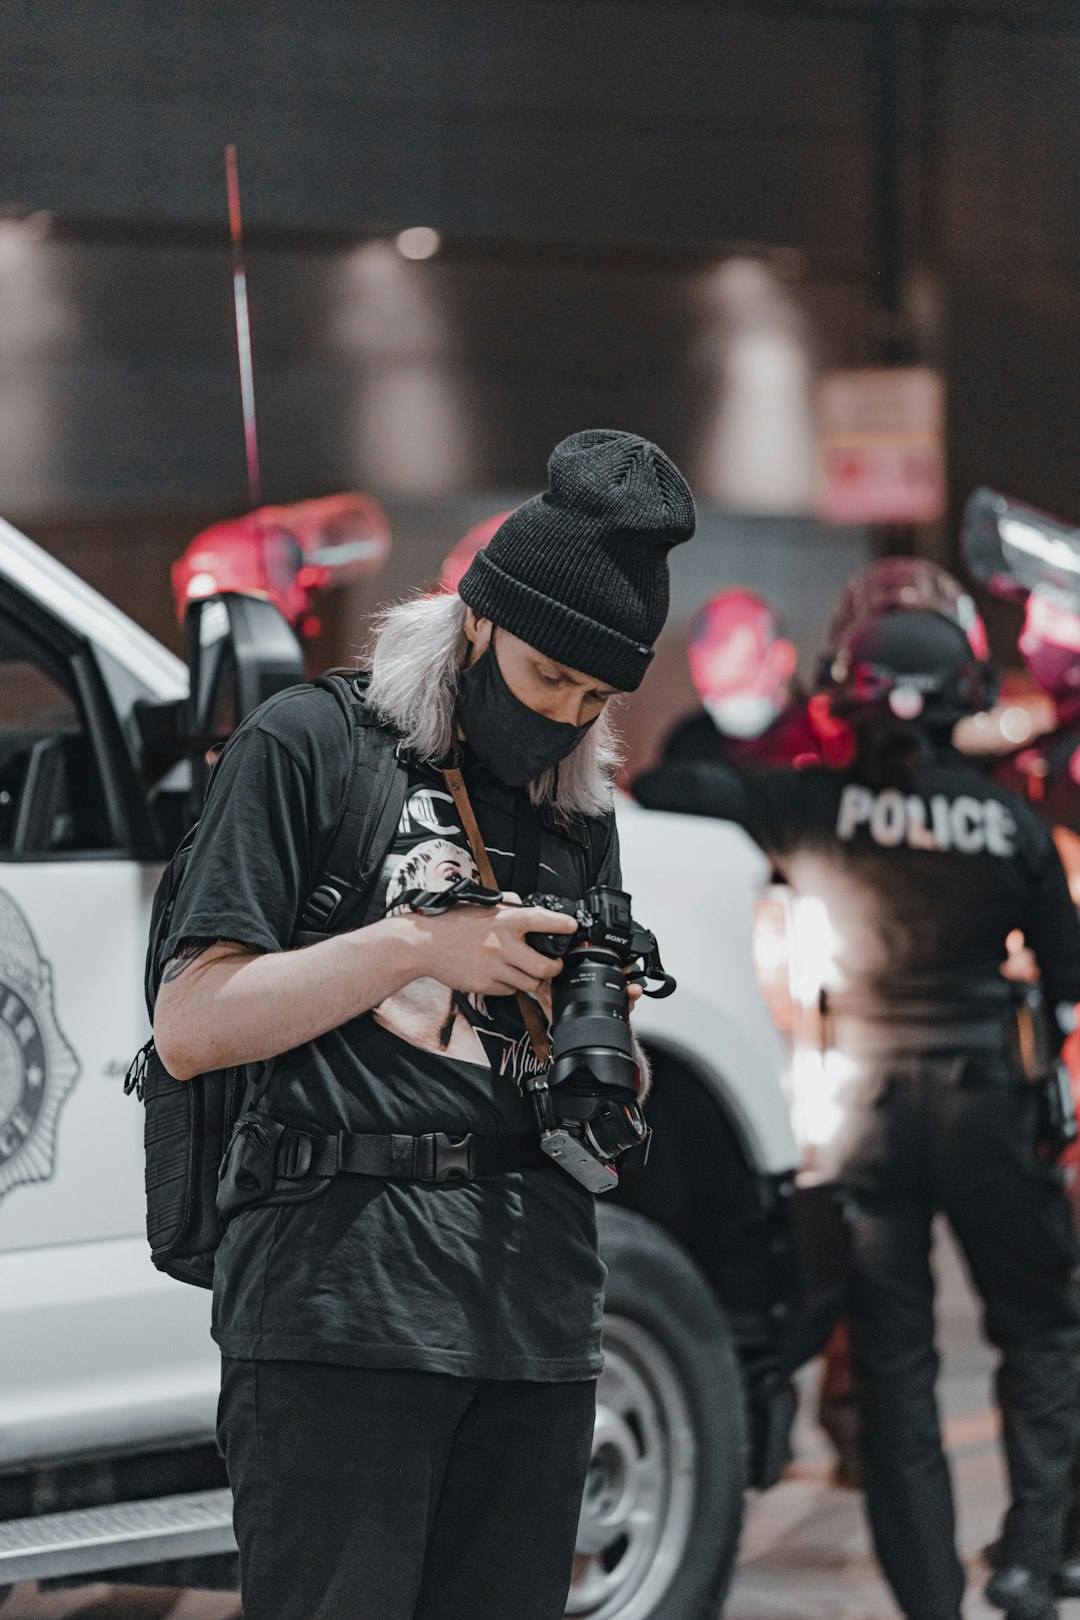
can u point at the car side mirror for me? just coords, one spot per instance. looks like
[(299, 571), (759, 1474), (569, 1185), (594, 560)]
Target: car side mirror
[(240, 651)]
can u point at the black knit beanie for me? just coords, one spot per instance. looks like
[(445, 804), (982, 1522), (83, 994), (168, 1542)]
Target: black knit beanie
[(581, 572)]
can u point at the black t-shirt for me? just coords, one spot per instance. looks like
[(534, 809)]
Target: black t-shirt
[(914, 888), (497, 1278)]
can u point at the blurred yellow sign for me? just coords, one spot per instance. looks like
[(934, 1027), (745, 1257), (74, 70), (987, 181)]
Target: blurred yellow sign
[(881, 445)]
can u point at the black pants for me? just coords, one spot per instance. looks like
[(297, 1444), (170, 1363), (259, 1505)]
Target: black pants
[(384, 1495), (959, 1136)]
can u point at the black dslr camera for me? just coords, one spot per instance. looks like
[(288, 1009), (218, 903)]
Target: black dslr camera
[(586, 1105)]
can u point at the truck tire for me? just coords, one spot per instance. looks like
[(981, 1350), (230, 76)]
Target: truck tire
[(663, 1504)]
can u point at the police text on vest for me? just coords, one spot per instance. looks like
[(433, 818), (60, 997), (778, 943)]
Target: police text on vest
[(965, 824)]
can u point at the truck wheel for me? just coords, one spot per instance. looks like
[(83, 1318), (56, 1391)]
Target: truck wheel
[(663, 1502)]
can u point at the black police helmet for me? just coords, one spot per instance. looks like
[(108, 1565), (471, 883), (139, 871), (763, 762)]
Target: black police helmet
[(917, 667)]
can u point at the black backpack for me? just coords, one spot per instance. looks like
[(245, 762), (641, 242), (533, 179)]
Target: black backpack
[(188, 1123)]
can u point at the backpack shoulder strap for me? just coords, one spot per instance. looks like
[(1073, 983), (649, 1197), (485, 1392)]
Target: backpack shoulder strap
[(369, 816), (161, 916), (589, 837), (597, 834)]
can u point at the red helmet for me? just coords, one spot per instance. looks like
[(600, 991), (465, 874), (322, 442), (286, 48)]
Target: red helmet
[(453, 568), (905, 585), (740, 663), (906, 636), (288, 553)]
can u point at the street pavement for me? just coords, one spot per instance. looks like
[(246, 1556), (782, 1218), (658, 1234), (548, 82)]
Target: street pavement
[(805, 1555)]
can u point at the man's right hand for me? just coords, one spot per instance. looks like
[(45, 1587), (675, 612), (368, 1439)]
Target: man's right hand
[(226, 1003), (483, 952)]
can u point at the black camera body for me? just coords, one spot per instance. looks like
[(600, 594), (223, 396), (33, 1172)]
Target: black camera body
[(587, 1104)]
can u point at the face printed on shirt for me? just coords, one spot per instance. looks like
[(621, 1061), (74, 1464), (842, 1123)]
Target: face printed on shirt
[(426, 1014), (433, 866)]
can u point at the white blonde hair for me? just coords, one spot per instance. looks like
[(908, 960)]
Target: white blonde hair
[(417, 651)]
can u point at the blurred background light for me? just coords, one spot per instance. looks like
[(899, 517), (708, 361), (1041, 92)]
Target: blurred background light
[(758, 446), (409, 414), (1016, 725), (419, 242)]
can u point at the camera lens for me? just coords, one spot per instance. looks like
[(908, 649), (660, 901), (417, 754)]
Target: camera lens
[(592, 1049)]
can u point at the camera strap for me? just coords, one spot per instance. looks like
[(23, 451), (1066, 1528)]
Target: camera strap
[(530, 1012)]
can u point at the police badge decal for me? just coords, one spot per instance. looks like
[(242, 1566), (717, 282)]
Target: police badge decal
[(37, 1066)]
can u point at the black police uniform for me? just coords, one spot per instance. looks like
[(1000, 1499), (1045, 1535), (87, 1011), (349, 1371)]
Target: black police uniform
[(921, 882), (790, 740)]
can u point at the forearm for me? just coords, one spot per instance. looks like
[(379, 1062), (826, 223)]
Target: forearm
[(229, 1006)]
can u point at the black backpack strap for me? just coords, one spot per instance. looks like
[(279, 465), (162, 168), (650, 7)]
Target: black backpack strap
[(530, 833), (589, 836), (597, 836), (435, 1157), (370, 815)]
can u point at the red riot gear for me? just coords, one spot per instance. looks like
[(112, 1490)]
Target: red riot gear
[(906, 638), (1023, 555), (754, 715), (475, 540), (1050, 646), (740, 664), (288, 553)]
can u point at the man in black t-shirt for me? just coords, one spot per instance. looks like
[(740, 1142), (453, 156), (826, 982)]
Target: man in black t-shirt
[(408, 1365)]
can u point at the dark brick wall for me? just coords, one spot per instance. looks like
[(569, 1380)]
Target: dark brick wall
[(552, 119)]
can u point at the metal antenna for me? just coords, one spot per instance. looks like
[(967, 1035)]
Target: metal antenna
[(243, 327)]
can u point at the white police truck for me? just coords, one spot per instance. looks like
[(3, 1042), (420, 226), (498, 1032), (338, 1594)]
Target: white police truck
[(108, 1375)]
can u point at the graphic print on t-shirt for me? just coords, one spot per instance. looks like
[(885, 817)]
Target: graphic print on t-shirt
[(467, 1027)]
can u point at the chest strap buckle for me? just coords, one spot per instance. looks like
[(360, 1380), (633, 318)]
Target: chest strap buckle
[(294, 1155), (443, 1158), (321, 907)]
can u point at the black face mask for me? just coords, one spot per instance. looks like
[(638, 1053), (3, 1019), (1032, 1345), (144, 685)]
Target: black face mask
[(515, 743)]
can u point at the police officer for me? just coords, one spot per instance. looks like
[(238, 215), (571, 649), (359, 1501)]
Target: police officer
[(1023, 556), (1027, 557), (1047, 772), (753, 712), (922, 867)]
